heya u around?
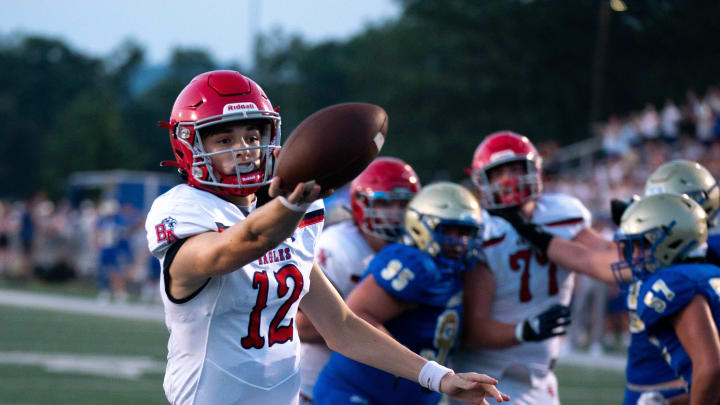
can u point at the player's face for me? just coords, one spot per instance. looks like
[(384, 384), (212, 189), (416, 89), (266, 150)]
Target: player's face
[(506, 172), (456, 240), (234, 136)]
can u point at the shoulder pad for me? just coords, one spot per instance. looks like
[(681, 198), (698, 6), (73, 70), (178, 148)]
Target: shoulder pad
[(494, 227), (560, 209), (173, 217)]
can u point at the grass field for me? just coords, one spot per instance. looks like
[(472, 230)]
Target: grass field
[(49, 357)]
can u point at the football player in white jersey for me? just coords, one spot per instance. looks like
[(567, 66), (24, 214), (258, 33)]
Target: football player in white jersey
[(378, 197), (234, 274), (517, 303)]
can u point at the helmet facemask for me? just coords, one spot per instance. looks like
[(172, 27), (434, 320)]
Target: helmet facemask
[(383, 212), (646, 252), (428, 234), (432, 211), (246, 179), (509, 192), (657, 231)]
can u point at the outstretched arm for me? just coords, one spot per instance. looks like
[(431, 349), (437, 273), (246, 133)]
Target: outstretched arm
[(211, 254), (576, 256), (350, 335), (588, 253)]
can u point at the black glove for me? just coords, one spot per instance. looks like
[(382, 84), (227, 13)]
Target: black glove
[(552, 322), (618, 207), (532, 232)]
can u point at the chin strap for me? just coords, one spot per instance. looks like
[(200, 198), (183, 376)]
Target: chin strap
[(170, 163)]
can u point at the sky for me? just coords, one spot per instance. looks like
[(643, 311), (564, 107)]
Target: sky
[(224, 28)]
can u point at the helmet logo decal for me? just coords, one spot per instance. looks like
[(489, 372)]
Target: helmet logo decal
[(236, 107), (184, 133), (655, 190)]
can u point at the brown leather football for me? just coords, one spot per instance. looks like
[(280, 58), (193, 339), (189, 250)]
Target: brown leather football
[(332, 146)]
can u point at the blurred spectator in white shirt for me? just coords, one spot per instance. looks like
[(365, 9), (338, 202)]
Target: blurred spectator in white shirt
[(670, 116), (649, 122)]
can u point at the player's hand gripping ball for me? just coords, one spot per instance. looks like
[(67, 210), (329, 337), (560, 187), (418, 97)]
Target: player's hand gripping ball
[(333, 145)]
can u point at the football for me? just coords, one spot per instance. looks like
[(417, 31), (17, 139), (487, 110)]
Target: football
[(332, 146)]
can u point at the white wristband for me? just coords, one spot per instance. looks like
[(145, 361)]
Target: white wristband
[(519, 331), (293, 207), (431, 374)]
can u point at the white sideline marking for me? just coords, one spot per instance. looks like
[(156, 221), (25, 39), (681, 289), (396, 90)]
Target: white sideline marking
[(127, 367), (80, 305), (155, 312)]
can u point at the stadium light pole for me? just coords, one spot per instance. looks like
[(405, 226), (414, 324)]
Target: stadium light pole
[(600, 55), (599, 61)]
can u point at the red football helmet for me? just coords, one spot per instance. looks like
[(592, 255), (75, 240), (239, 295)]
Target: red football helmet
[(213, 98), (500, 148), (379, 195)]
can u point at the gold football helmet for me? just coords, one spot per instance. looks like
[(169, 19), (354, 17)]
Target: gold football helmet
[(657, 231), (686, 177), (443, 204)]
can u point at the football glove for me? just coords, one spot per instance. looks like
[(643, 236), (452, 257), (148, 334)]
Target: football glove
[(552, 322), (618, 207), (533, 233)]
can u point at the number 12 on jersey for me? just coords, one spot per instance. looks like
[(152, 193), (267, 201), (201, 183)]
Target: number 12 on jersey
[(276, 333)]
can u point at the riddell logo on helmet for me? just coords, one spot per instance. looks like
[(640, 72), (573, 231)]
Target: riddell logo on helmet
[(503, 154), (237, 107), (254, 177)]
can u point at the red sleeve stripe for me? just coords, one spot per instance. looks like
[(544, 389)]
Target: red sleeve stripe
[(564, 222), (312, 218), (493, 242)]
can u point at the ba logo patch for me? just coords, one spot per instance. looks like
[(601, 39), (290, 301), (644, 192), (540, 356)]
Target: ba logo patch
[(164, 230)]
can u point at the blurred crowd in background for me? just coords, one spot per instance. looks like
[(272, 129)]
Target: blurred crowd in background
[(103, 243), (100, 243), (628, 148), (615, 165)]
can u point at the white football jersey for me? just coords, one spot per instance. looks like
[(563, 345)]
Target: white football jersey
[(343, 255), (235, 340), (526, 283)]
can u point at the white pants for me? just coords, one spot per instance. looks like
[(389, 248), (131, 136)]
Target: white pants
[(528, 390)]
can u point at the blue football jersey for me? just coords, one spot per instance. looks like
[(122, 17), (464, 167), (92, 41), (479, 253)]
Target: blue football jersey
[(645, 364), (431, 329), (667, 292), (713, 249)]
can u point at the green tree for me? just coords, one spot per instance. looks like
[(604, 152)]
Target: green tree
[(155, 103), (39, 78), (90, 135)]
